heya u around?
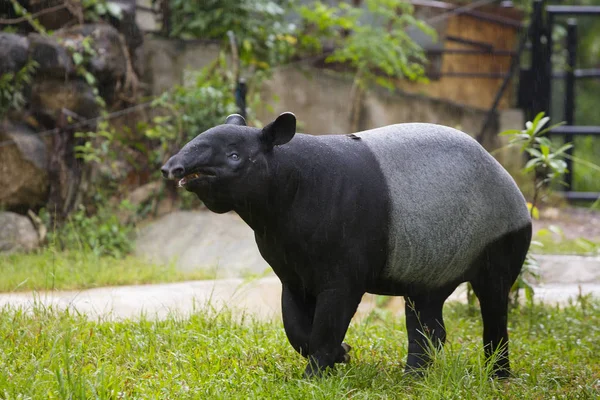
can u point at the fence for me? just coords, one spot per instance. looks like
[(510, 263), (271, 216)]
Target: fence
[(536, 82)]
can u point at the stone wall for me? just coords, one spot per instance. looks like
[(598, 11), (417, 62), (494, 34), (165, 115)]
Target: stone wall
[(167, 60)]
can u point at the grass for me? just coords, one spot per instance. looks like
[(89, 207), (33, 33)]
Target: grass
[(579, 246), (58, 354), (48, 269)]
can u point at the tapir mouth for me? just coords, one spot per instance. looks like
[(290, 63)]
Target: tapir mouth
[(194, 176)]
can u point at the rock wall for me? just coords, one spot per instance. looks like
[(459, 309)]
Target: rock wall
[(58, 93)]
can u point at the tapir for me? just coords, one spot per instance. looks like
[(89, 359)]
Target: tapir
[(411, 210)]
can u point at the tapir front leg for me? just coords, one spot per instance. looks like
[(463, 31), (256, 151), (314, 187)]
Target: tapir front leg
[(333, 313), (298, 311)]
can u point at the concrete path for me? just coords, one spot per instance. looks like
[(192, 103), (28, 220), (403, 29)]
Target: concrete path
[(259, 298), (225, 245)]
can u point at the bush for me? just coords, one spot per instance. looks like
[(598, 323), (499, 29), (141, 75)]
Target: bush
[(100, 233)]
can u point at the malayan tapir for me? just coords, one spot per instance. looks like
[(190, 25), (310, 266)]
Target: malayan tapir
[(411, 210)]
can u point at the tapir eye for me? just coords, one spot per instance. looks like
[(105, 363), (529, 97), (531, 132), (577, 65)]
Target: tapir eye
[(234, 156)]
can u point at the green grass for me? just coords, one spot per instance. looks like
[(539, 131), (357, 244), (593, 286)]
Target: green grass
[(57, 354), (553, 245), (48, 269)]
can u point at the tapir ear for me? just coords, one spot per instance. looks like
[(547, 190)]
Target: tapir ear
[(280, 131), (235, 119)]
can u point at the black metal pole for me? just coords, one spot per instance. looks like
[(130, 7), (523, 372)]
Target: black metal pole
[(550, 50), (538, 98), (570, 93), (240, 96)]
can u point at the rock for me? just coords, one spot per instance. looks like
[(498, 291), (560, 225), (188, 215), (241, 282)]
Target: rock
[(222, 245), (110, 63), (53, 58), (17, 233), (144, 193), (14, 52), (127, 24), (23, 173), (49, 97)]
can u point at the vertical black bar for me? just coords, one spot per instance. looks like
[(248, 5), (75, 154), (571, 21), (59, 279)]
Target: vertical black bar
[(539, 98), (240, 97), (165, 6), (570, 92), (550, 27)]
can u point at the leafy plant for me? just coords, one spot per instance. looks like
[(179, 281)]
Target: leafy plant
[(195, 107), (547, 161), (95, 10), (265, 36), (12, 86), (373, 41), (100, 233)]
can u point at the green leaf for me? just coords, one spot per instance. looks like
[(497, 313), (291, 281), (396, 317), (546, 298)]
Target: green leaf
[(534, 152), (556, 230), (564, 148), (89, 78), (540, 124), (510, 132), (77, 58), (545, 150), (115, 10), (531, 164)]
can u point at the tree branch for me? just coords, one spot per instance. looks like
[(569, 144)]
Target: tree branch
[(14, 21)]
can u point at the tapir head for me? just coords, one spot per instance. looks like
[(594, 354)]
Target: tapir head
[(227, 164)]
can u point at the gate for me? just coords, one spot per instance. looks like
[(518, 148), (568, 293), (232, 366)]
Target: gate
[(535, 91)]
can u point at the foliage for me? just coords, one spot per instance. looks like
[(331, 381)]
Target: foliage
[(95, 10), (60, 354), (265, 37), (12, 86), (552, 240), (53, 269), (195, 107), (546, 160), (374, 41), (22, 11), (81, 53), (100, 233)]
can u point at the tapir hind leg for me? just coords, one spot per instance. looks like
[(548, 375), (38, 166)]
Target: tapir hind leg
[(502, 263), (425, 326)]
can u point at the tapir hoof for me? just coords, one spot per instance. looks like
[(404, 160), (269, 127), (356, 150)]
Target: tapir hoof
[(344, 357)]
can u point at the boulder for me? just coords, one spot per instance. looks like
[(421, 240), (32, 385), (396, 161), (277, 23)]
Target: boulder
[(14, 52), (17, 233), (49, 97), (53, 58), (109, 64), (220, 245), (23, 173), (142, 194)]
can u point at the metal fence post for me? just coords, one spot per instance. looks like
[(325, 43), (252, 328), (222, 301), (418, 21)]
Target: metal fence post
[(570, 93), (539, 84)]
